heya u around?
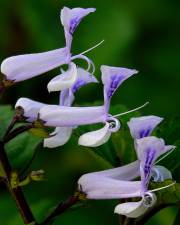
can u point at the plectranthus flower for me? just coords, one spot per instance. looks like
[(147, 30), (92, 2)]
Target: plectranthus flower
[(63, 116), (143, 126), (118, 183), (61, 135), (23, 67), (148, 149), (30, 109)]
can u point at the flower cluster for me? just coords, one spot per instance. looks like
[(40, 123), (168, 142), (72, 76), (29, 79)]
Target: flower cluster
[(64, 117)]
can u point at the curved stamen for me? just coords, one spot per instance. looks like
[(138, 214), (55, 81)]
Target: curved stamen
[(161, 188), (90, 49), (130, 111), (114, 124), (168, 153), (149, 199), (89, 62)]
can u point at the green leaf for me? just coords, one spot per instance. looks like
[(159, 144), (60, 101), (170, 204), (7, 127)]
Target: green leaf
[(177, 219), (170, 195), (6, 114), (21, 149)]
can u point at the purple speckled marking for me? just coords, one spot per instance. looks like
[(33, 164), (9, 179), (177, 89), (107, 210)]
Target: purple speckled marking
[(77, 85), (145, 133), (148, 163), (115, 80), (73, 24)]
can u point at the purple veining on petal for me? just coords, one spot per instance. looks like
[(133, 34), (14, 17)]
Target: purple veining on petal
[(73, 24), (148, 164), (79, 83), (115, 80), (145, 133)]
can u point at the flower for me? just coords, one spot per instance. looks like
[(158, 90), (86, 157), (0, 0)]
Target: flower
[(61, 135), (118, 183), (65, 116), (31, 108), (23, 67)]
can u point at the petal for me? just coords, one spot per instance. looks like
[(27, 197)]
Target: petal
[(136, 209), (70, 19), (148, 150), (160, 174), (31, 108), (143, 126), (112, 78), (131, 209), (65, 80), (95, 138), (84, 77), (23, 67), (127, 172), (106, 188), (112, 183), (151, 144), (62, 116), (61, 135), (66, 98)]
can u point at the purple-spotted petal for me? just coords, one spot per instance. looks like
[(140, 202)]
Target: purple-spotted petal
[(65, 80), (143, 126), (84, 77), (59, 137), (62, 116), (112, 78), (112, 183), (30, 108), (70, 19), (95, 138), (148, 150), (23, 67)]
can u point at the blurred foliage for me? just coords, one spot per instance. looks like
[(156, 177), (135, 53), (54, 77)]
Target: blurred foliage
[(138, 34)]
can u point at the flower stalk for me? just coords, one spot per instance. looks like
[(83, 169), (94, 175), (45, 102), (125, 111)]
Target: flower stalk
[(16, 192)]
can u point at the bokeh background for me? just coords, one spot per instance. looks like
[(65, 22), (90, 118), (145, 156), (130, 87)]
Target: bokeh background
[(140, 34)]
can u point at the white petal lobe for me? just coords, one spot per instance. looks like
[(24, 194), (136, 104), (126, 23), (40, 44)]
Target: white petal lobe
[(95, 138)]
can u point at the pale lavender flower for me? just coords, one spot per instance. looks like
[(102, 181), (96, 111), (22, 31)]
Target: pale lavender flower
[(31, 109), (148, 149), (63, 116), (117, 183), (22, 67)]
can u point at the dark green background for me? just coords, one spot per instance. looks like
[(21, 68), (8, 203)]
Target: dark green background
[(140, 34)]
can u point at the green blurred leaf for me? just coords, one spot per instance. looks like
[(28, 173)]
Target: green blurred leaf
[(177, 219), (170, 195), (6, 114), (21, 149)]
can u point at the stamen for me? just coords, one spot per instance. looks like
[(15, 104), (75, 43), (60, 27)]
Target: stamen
[(114, 124), (90, 49), (161, 188), (133, 110), (149, 199), (90, 62), (168, 153)]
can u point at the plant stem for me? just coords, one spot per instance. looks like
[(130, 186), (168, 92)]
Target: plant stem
[(63, 206), (17, 192), (17, 131)]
